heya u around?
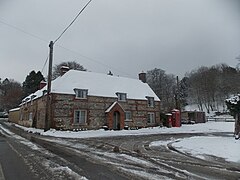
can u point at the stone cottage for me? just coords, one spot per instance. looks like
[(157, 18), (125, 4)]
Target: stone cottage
[(86, 100)]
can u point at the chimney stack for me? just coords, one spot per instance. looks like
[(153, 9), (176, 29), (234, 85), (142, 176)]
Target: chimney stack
[(63, 70), (42, 84), (142, 77)]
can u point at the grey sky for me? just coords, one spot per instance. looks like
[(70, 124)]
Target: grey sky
[(124, 36)]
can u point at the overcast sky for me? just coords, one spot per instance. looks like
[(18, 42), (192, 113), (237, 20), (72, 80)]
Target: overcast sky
[(124, 36)]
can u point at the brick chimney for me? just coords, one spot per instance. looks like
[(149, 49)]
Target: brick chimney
[(142, 77), (63, 70), (42, 84)]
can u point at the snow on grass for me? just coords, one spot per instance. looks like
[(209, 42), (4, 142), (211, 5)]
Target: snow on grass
[(196, 128), (199, 146), (225, 147)]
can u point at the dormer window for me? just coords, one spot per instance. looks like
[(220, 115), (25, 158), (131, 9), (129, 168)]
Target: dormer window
[(150, 101), (122, 96), (33, 96), (81, 93)]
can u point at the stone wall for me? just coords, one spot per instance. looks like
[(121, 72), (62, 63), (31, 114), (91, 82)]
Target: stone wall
[(64, 105), (14, 115)]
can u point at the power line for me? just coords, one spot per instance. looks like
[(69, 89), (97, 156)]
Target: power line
[(45, 63), (23, 31), (72, 22), (93, 60), (44, 40), (27, 33)]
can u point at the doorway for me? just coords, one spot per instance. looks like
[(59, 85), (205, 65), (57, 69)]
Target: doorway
[(116, 120)]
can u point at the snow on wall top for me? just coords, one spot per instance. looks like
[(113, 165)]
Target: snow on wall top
[(98, 84)]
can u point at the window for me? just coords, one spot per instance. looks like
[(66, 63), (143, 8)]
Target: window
[(150, 101), (30, 116), (21, 116), (128, 116), (81, 93), (80, 116), (122, 96), (151, 118)]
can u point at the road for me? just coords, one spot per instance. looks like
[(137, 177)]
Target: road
[(128, 157), (12, 166)]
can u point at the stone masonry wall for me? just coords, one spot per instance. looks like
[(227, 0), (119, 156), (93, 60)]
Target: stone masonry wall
[(64, 105)]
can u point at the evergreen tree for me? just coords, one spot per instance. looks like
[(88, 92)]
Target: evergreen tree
[(32, 82)]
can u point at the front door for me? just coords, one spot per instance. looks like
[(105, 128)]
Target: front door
[(116, 120)]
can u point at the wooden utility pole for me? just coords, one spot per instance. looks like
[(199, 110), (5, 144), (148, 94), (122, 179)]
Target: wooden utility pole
[(49, 84), (177, 95)]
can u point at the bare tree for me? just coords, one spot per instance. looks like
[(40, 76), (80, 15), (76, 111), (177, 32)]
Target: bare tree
[(11, 94), (164, 85), (210, 86), (71, 64)]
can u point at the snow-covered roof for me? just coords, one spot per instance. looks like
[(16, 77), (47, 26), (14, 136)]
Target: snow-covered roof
[(103, 85), (99, 84)]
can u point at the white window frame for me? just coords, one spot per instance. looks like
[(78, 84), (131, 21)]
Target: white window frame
[(78, 120), (151, 118), (122, 96), (81, 93), (128, 116)]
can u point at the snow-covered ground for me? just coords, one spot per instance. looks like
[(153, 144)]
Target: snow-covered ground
[(224, 147), (200, 146), (196, 128)]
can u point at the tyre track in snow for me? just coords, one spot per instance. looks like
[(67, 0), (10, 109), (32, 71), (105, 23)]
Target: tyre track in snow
[(76, 161), (173, 160), (175, 164)]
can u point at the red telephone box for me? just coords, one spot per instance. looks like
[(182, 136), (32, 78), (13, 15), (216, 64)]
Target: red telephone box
[(176, 118), (169, 120)]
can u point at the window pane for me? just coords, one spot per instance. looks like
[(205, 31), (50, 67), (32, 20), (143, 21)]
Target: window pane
[(76, 117), (128, 115), (122, 96), (150, 102), (82, 117), (81, 93), (30, 116), (151, 118)]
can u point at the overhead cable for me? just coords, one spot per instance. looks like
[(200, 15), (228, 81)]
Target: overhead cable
[(23, 31), (72, 22)]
